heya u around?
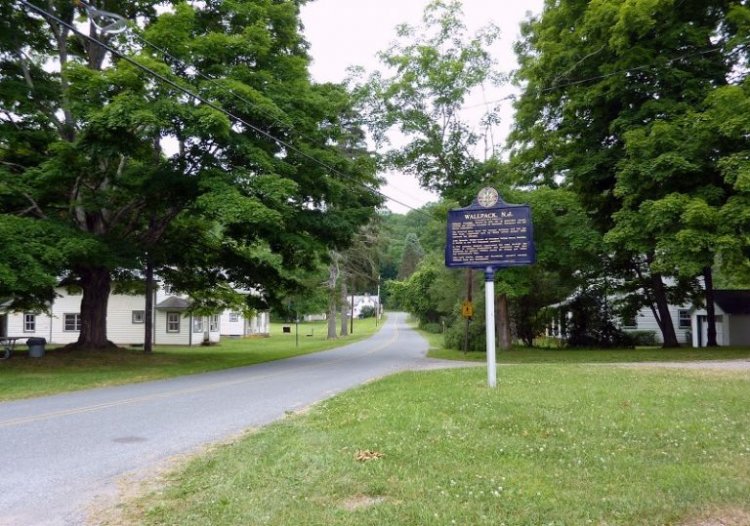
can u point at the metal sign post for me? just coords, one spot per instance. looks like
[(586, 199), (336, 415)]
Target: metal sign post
[(490, 234), (489, 299)]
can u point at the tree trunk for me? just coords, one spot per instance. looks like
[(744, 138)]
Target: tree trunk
[(665, 318), (344, 309), (96, 283), (502, 322), (710, 308), (331, 316), (148, 336)]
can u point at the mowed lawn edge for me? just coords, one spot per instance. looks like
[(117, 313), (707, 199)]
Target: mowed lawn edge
[(519, 354), (57, 372), (553, 444)]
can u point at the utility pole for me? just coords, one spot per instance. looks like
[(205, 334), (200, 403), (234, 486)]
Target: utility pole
[(377, 305)]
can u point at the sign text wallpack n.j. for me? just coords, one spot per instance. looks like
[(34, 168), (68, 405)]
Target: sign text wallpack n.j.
[(490, 233)]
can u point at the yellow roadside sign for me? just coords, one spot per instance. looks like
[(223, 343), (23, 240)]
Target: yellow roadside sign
[(467, 309)]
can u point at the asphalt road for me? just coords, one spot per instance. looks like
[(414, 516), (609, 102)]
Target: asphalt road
[(59, 453)]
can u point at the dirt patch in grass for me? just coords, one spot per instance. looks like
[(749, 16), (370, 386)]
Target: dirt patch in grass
[(359, 502), (116, 506), (720, 517), (119, 505)]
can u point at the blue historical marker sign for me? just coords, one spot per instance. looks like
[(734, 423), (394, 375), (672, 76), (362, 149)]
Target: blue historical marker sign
[(490, 233)]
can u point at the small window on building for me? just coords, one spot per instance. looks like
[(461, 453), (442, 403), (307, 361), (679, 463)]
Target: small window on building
[(139, 316), (29, 322), (683, 319), (173, 322), (72, 322), (629, 322), (214, 323), (198, 324), (234, 317)]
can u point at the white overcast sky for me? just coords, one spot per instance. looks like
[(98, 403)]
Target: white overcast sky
[(345, 33)]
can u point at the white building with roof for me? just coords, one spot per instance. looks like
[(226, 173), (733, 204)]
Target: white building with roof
[(732, 310), (126, 317)]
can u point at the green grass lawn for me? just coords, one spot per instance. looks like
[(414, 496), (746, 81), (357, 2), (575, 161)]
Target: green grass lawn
[(22, 377), (553, 444), (534, 355)]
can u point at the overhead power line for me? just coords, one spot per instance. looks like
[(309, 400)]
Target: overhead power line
[(43, 12), (137, 34)]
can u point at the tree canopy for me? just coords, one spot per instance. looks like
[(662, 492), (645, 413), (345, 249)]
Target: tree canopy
[(616, 106), (427, 76), (115, 163)]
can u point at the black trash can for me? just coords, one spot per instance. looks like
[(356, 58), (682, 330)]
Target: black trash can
[(36, 347)]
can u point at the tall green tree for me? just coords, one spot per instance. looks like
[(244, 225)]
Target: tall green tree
[(73, 143), (412, 255), (428, 74), (393, 231), (701, 224), (599, 78), (361, 261), (238, 202)]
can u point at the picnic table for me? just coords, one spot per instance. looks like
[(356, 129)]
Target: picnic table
[(8, 344)]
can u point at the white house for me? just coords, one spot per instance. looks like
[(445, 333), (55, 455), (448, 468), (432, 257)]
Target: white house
[(646, 321), (732, 309), (358, 303), (235, 325), (173, 325), (732, 319)]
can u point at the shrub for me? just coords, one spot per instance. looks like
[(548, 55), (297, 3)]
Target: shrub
[(367, 312), (643, 338), (455, 334), (434, 328), (591, 323)]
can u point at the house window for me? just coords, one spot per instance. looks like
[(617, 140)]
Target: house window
[(29, 322), (139, 316), (234, 317), (72, 322), (198, 324), (173, 322), (683, 319), (629, 322), (213, 325)]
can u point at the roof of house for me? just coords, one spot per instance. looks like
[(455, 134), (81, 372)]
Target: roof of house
[(733, 301), (174, 303)]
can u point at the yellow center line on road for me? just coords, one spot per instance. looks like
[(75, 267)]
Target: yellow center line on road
[(226, 383)]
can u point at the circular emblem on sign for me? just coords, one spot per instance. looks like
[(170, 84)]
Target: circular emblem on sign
[(487, 197)]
